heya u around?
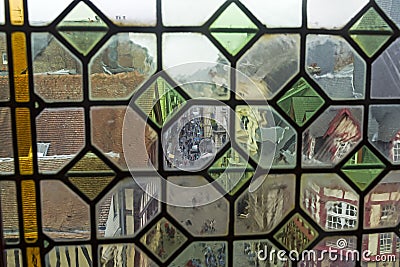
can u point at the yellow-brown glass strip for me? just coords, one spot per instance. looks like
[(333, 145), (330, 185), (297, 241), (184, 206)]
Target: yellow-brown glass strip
[(16, 12), (33, 257), (20, 64), (29, 210), (24, 141)]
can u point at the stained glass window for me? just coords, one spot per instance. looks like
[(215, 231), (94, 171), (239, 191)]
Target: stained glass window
[(225, 133)]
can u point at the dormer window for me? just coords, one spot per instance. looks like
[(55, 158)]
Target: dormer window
[(4, 58), (42, 149)]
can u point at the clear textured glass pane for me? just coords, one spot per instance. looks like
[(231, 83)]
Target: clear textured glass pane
[(57, 73), (386, 73), (79, 255), (180, 12), (197, 135), (276, 14), (335, 66), (123, 255), (330, 201), (126, 139), (122, 65), (269, 64), (205, 220), (9, 211), (343, 252), (382, 204), (62, 132), (65, 216), (4, 80), (13, 257), (261, 210), (332, 136), (203, 253), (383, 246), (197, 65), (319, 12), (128, 207), (139, 13), (384, 130), (391, 8), (6, 149), (265, 136), (163, 239), (38, 16)]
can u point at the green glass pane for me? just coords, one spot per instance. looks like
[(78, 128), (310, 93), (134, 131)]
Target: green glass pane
[(301, 102), (82, 16), (363, 167), (370, 21), (296, 234), (242, 29), (233, 17), (231, 171), (160, 101), (83, 41), (163, 239), (233, 42), (91, 186), (370, 44)]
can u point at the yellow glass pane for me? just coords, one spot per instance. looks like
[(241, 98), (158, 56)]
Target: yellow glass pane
[(29, 210), (21, 82), (33, 257), (16, 12), (24, 141)]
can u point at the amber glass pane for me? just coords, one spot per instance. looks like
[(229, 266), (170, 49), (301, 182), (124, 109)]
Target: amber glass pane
[(33, 257), (29, 210), (16, 12), (24, 141), (21, 83)]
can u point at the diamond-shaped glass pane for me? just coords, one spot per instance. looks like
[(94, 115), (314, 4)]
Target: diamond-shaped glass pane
[(363, 167), (260, 211), (296, 234), (84, 17), (204, 253), (163, 239), (370, 21), (241, 29), (231, 171), (300, 102), (160, 101), (90, 185)]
